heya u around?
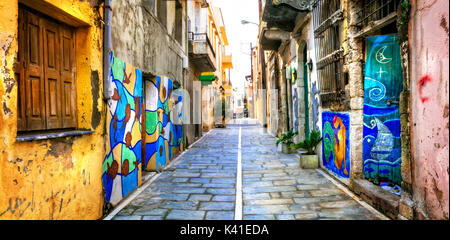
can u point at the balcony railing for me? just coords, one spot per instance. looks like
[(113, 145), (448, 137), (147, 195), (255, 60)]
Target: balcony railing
[(201, 37)]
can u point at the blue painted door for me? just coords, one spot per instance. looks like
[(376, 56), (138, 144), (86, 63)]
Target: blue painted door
[(382, 87)]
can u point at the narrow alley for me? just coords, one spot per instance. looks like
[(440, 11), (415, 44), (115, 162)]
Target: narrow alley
[(224, 110), (203, 184)]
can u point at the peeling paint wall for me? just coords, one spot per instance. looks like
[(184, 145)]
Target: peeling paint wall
[(55, 178), (429, 38)]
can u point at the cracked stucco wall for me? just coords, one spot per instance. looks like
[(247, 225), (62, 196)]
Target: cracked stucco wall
[(57, 178), (429, 39)]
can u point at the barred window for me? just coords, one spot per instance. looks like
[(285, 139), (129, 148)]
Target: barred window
[(327, 22), (374, 10)]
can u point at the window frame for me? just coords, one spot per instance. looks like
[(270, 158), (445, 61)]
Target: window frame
[(54, 115), (327, 18)]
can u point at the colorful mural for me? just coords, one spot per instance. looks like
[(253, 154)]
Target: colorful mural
[(121, 171), (336, 143), (382, 87), (163, 123)]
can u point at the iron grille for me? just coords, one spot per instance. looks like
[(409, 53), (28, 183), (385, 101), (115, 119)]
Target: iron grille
[(327, 16), (374, 10)]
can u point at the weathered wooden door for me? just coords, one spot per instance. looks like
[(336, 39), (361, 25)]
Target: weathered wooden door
[(382, 87)]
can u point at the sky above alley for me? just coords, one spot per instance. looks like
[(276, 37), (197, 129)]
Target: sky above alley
[(240, 36)]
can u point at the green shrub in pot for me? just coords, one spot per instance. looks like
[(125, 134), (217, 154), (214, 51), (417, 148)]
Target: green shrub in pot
[(309, 159)]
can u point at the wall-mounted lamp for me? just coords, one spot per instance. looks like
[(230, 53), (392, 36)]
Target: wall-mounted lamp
[(310, 64)]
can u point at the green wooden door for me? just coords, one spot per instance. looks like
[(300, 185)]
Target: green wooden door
[(305, 79)]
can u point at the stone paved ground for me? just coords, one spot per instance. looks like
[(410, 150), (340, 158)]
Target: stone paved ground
[(203, 185)]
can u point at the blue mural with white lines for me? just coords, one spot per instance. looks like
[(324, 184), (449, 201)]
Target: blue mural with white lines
[(381, 133)]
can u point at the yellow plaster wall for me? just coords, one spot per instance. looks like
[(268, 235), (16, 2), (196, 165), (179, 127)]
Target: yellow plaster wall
[(57, 178)]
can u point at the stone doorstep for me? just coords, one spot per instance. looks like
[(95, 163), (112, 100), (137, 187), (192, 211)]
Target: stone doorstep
[(383, 201)]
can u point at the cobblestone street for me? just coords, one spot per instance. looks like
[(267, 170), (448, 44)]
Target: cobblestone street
[(202, 184)]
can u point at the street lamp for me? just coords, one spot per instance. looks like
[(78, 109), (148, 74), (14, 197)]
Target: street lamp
[(248, 22), (261, 56), (243, 22)]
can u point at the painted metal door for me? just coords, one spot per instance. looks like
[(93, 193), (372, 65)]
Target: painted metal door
[(382, 87)]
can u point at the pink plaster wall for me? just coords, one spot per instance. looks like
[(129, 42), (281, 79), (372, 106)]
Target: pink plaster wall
[(429, 39)]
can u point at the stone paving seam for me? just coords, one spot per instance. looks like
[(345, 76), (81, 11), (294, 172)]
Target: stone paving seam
[(353, 196), (147, 183)]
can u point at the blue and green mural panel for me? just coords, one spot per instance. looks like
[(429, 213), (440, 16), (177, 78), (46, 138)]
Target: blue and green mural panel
[(164, 126), (121, 171), (381, 133)]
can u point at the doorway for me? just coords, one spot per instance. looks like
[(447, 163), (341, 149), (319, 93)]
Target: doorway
[(383, 83)]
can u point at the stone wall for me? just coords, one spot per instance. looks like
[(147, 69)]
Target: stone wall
[(139, 38)]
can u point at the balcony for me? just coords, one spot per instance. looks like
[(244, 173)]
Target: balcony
[(227, 62), (201, 52)]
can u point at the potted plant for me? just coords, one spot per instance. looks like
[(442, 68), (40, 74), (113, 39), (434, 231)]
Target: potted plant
[(286, 141), (309, 159)]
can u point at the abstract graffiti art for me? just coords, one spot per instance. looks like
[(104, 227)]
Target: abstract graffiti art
[(121, 172), (163, 123), (382, 87), (335, 143)]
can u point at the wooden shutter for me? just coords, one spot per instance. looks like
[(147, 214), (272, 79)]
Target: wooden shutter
[(52, 74), (68, 87), (34, 74), (19, 73), (45, 73)]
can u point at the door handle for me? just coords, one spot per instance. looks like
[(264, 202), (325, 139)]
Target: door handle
[(390, 102)]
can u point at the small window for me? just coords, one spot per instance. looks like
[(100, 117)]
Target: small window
[(178, 22), (162, 11), (372, 11), (45, 72), (152, 5)]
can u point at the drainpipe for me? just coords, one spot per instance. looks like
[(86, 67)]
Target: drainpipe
[(107, 91)]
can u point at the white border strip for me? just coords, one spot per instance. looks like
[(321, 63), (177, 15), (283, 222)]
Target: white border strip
[(140, 189), (238, 205), (352, 195)]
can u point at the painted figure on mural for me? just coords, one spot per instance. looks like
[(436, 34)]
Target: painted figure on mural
[(340, 143), (335, 144), (315, 105)]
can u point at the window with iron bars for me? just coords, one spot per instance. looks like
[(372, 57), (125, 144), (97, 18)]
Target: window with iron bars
[(374, 10), (327, 23)]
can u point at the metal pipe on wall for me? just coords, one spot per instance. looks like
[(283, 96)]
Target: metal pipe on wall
[(107, 91)]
